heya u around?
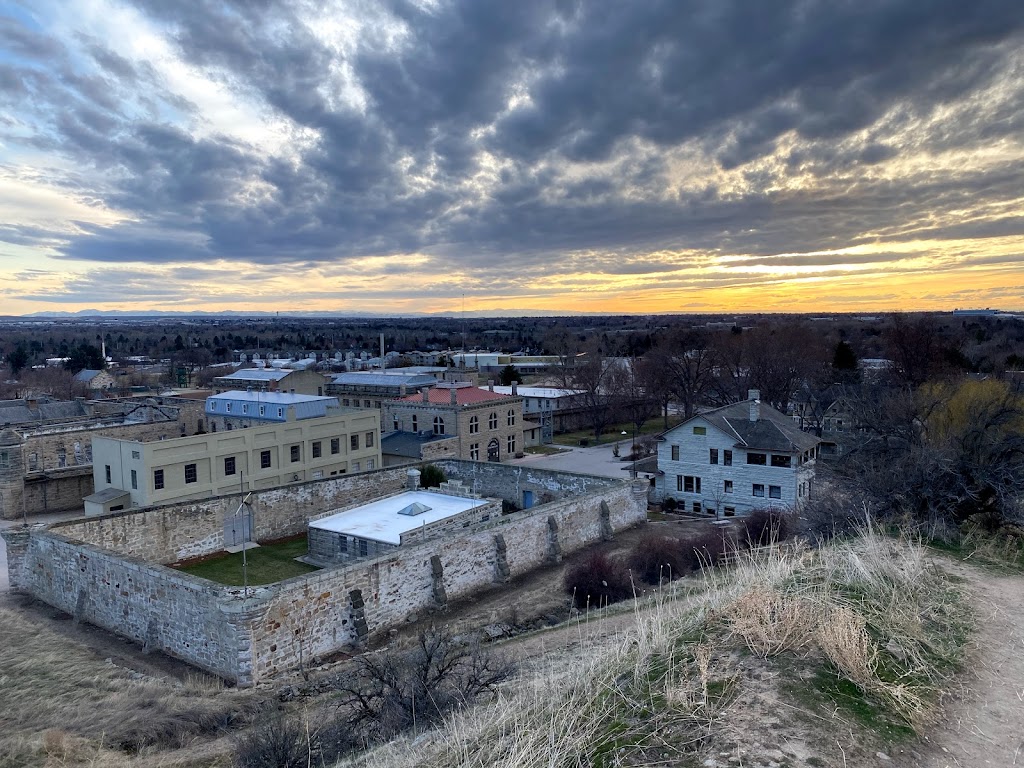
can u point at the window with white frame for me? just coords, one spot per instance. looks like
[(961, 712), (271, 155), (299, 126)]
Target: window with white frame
[(774, 491), (757, 490)]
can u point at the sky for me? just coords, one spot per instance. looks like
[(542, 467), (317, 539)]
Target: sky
[(407, 156)]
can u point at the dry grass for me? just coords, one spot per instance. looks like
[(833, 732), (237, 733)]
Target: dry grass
[(64, 705), (872, 611)]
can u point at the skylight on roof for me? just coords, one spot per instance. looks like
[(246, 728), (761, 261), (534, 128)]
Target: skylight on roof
[(416, 508)]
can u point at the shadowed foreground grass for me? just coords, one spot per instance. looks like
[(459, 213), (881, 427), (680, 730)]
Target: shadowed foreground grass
[(870, 628), (267, 564), (66, 705)]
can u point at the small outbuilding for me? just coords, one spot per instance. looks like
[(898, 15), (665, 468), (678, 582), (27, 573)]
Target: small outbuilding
[(370, 530), (106, 501)]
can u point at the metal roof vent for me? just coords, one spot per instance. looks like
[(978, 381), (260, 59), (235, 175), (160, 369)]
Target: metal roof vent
[(416, 508)]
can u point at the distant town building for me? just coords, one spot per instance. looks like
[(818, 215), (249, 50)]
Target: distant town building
[(554, 409), (302, 382), (95, 381), (369, 389), (488, 425)]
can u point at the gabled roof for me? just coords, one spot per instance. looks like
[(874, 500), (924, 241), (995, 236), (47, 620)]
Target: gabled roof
[(86, 374), (773, 430), (378, 379), (258, 374), (18, 411)]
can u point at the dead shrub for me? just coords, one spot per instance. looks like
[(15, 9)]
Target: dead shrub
[(657, 559), (598, 580), (277, 742), (771, 622), (843, 638), (763, 527), (704, 550), (384, 694)]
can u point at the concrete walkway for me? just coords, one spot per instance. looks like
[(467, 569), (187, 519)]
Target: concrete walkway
[(53, 517), (598, 460)]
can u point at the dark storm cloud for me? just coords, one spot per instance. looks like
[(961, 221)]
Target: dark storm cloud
[(539, 86)]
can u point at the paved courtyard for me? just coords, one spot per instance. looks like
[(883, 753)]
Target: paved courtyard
[(598, 460)]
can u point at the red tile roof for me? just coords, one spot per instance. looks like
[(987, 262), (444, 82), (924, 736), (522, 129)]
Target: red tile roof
[(463, 396)]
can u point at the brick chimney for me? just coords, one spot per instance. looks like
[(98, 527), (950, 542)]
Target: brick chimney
[(754, 397), (490, 385), (412, 480), (426, 394), (401, 390), (515, 388), (454, 396)]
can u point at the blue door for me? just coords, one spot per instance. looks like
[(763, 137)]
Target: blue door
[(527, 499)]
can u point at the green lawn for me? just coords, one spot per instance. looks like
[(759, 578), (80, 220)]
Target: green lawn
[(543, 450), (268, 564), (613, 433)]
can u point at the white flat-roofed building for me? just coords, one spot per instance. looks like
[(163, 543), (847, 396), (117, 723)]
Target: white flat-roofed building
[(369, 530)]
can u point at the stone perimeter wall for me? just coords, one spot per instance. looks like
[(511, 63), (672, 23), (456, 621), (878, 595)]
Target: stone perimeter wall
[(182, 531), (315, 615), (111, 576), (158, 607)]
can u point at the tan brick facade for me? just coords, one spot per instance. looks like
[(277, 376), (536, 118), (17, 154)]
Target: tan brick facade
[(493, 426)]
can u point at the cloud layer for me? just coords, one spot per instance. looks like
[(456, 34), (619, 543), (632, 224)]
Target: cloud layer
[(529, 153)]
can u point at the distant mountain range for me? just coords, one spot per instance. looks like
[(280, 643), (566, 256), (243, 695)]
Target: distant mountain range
[(86, 313)]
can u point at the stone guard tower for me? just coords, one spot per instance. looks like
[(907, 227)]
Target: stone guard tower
[(12, 475)]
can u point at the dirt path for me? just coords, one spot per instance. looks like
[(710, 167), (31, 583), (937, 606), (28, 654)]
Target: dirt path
[(983, 723)]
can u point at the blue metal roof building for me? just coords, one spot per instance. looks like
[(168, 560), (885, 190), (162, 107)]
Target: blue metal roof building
[(268, 406)]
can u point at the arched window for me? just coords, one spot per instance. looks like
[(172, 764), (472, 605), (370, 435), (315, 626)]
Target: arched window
[(492, 421), (474, 425), (511, 417), (438, 425)]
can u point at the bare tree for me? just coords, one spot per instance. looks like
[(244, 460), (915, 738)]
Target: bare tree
[(687, 363), (782, 359), (950, 451), (393, 691), (589, 375), (630, 392)]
